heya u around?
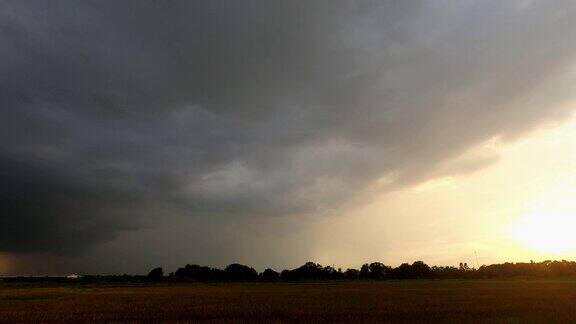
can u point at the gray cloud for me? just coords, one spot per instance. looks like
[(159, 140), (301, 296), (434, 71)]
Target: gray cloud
[(117, 113)]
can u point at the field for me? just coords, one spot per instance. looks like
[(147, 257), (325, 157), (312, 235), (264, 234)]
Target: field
[(392, 301)]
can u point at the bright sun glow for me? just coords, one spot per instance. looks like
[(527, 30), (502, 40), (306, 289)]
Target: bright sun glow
[(549, 225), (547, 232)]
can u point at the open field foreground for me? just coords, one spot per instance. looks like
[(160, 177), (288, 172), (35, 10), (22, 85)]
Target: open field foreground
[(428, 301)]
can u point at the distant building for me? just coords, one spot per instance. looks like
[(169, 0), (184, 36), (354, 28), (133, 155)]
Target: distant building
[(73, 276)]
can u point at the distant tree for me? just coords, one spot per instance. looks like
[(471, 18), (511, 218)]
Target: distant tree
[(374, 270), (464, 266), (240, 272), (403, 271), (329, 272), (352, 274), (365, 271), (156, 274), (308, 271), (421, 270), (270, 275), (333, 274), (200, 273), (285, 274), (379, 271), (312, 271)]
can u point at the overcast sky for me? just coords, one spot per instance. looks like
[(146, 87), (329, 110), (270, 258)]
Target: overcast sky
[(143, 133)]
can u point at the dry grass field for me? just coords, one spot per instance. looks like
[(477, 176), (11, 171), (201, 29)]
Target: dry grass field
[(398, 301)]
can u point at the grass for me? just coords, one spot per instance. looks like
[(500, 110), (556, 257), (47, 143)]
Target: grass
[(401, 301)]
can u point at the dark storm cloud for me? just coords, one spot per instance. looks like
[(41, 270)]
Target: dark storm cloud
[(116, 113)]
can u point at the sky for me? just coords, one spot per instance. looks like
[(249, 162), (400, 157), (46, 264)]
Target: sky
[(137, 134)]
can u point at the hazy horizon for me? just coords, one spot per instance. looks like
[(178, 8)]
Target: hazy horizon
[(137, 134)]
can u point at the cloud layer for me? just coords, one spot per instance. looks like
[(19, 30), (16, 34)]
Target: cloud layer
[(114, 114)]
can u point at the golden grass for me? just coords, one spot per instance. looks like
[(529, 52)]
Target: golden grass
[(421, 301)]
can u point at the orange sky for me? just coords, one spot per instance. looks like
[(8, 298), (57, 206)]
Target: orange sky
[(512, 210)]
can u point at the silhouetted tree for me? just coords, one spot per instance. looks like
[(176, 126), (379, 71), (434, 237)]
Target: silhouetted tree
[(374, 271), (403, 271), (352, 274), (200, 273), (156, 274), (421, 270), (464, 266), (270, 275), (240, 272), (379, 271), (285, 274), (312, 271), (365, 271)]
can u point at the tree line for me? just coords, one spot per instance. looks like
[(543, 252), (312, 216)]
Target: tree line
[(370, 271)]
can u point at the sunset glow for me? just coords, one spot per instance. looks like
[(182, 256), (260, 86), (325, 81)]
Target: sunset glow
[(547, 232), (549, 224)]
